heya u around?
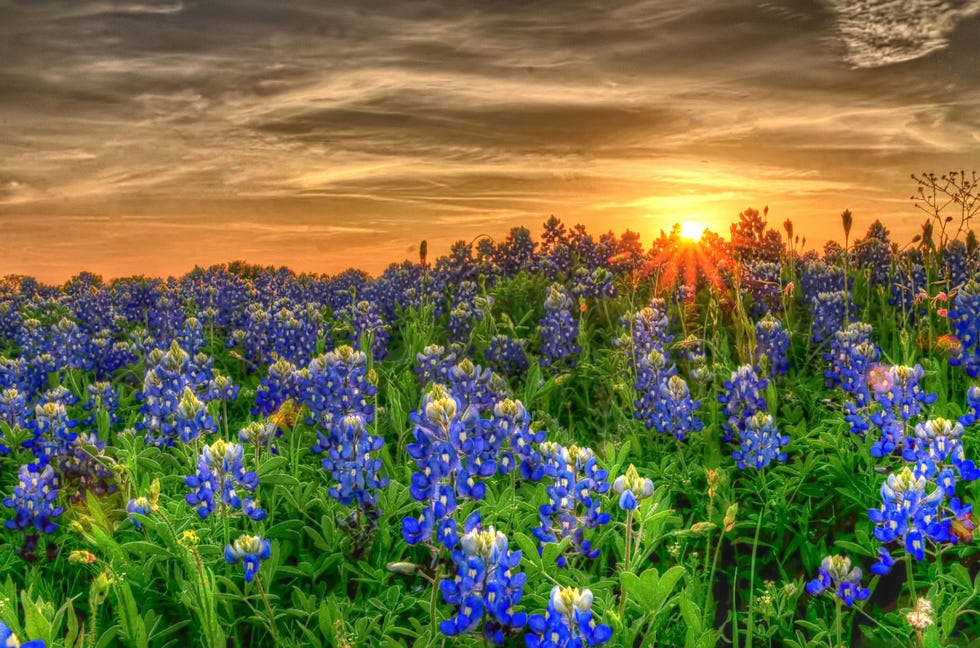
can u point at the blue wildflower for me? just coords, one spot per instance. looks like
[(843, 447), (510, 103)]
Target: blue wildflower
[(836, 574), (964, 316), (251, 550), (507, 355), (568, 622), (10, 640), (486, 586), (558, 329), (573, 499), (935, 442), (138, 506), (631, 488), (447, 448), (760, 441), (741, 398), (772, 344), (829, 311), (513, 422), (220, 475), (33, 501), (910, 512)]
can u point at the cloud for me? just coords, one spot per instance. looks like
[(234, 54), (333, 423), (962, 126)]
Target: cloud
[(451, 118), (884, 32)]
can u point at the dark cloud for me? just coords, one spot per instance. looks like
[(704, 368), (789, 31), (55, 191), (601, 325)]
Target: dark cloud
[(300, 126)]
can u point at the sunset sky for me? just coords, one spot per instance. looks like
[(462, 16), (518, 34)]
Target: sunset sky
[(146, 137)]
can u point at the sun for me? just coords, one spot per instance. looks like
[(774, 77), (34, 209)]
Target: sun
[(692, 230)]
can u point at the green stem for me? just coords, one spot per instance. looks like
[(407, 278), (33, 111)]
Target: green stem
[(837, 623), (268, 608), (433, 601), (626, 559), (750, 631), (708, 598)]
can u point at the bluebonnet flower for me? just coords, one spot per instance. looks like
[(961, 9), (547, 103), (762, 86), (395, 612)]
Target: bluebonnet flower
[(53, 430), (144, 505), (884, 564), (433, 363), (956, 264), (251, 550), (692, 353), (647, 332), (102, 398), (836, 574), (260, 435), (741, 398), (594, 284), (935, 442), (764, 282), (512, 420), (516, 253), (772, 345), (558, 329), (191, 418), (665, 405), (9, 640), (367, 324), (475, 386), (568, 622), (760, 442), (908, 284), (447, 448), (221, 388), (829, 312), (69, 346), (280, 385), (964, 316), (191, 335), (220, 473), (507, 355), (555, 257), (900, 400), (818, 277), (631, 488), (873, 253), (486, 586), (336, 384), (336, 388), (292, 334), (14, 411), (138, 506), (850, 355), (468, 307), (169, 374), (352, 460), (573, 499), (29, 378), (971, 416), (34, 502), (910, 512)]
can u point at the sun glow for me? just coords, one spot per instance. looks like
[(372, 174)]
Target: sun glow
[(692, 230)]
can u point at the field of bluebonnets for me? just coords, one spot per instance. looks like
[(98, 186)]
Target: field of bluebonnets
[(562, 440)]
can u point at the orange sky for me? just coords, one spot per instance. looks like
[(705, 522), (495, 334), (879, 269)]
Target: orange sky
[(150, 136)]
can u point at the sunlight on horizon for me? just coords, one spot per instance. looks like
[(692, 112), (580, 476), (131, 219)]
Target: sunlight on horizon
[(693, 230)]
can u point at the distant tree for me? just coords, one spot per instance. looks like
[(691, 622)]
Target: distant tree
[(752, 241)]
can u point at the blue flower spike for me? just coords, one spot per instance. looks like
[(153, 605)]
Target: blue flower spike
[(251, 550), (632, 488), (836, 573)]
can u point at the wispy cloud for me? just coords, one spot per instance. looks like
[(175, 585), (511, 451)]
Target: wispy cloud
[(449, 119)]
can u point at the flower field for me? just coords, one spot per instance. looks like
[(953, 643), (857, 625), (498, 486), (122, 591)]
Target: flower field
[(558, 440)]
